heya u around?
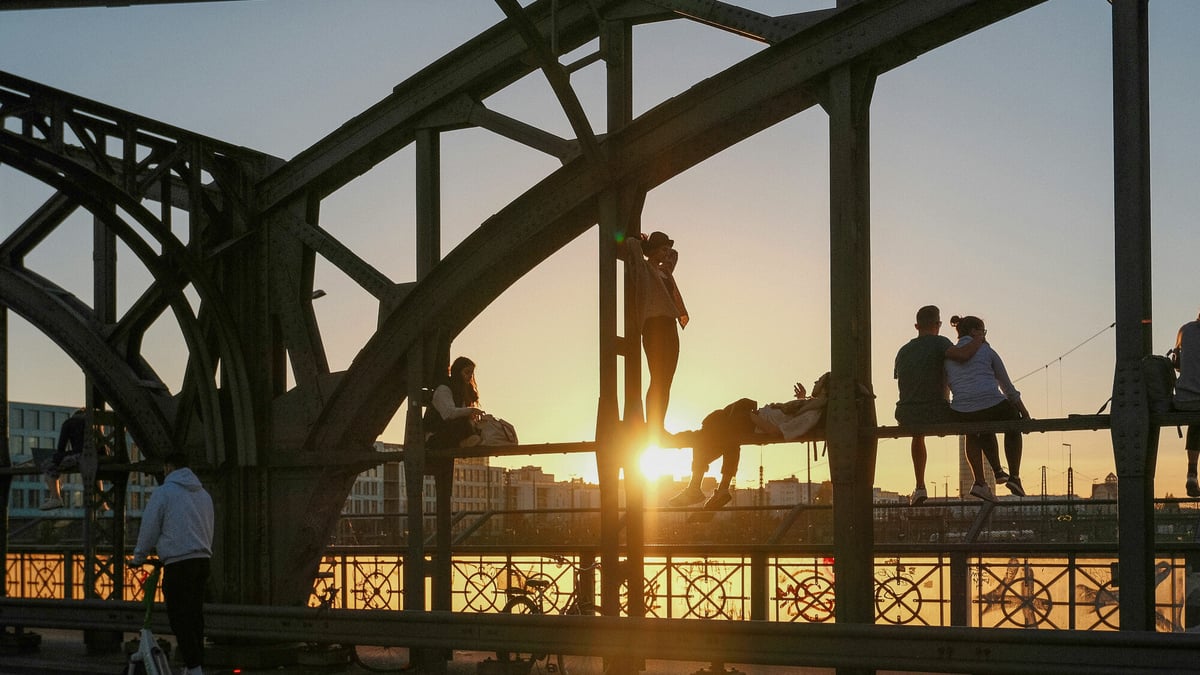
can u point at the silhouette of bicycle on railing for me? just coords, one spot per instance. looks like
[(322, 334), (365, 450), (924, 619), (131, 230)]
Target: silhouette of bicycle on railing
[(539, 594)]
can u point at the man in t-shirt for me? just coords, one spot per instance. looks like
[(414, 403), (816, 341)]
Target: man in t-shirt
[(922, 381), (1186, 356)]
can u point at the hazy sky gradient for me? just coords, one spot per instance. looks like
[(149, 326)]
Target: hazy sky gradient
[(991, 195)]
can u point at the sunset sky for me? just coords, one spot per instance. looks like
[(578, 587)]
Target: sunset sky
[(991, 195)]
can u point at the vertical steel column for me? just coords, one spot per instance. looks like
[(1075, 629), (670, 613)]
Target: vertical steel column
[(851, 419), (442, 562), (428, 245), (1135, 441), (5, 457), (428, 200), (618, 219), (414, 479), (97, 576)]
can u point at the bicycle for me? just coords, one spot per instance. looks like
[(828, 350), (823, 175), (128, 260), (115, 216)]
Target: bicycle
[(324, 654), (538, 593)]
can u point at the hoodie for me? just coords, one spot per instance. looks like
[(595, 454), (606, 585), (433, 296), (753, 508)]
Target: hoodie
[(178, 520)]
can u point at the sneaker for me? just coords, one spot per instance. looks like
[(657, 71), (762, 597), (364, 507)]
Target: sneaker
[(688, 497), (51, 504), (718, 499), (1014, 486), (470, 441), (918, 497), (983, 493), (1193, 487), (1002, 477)]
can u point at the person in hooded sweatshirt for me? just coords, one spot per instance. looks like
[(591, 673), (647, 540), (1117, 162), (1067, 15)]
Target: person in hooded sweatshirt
[(178, 525)]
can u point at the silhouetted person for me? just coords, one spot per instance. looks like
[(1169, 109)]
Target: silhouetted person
[(652, 261), (720, 435), (921, 378), (982, 391), (65, 458), (450, 419), (1187, 392), (178, 525)]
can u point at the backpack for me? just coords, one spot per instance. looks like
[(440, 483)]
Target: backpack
[(1158, 377)]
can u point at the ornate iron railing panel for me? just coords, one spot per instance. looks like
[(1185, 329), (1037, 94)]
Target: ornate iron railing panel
[(1054, 591)]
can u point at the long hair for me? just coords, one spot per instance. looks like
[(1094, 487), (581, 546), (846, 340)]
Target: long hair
[(465, 393), (965, 324)]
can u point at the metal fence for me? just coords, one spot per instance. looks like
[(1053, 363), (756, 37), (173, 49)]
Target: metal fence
[(1053, 591)]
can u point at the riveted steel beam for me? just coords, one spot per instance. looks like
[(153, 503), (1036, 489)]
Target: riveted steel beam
[(902, 648)]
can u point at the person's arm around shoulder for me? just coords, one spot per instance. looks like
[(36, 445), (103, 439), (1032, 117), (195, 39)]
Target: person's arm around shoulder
[(964, 352)]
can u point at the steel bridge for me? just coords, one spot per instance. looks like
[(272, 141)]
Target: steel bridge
[(253, 235)]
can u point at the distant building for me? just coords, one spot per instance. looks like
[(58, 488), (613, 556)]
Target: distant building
[(1107, 489)]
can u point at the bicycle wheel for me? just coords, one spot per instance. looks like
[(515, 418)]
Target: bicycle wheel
[(381, 659), (520, 605)]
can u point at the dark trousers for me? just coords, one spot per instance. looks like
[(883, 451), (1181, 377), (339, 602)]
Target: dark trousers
[(660, 340), (705, 454), (451, 433), (1013, 442), (184, 584)]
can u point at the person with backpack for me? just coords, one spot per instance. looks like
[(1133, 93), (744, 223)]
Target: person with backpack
[(981, 391), (1186, 357), (921, 379)]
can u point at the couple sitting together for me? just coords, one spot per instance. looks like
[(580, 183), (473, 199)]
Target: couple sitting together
[(980, 390)]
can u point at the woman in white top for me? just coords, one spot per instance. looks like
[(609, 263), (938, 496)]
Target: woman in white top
[(982, 391), (450, 420)]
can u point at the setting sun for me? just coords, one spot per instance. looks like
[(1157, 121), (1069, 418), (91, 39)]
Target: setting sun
[(656, 462)]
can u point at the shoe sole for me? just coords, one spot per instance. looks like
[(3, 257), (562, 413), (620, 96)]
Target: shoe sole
[(713, 505), (917, 501), (675, 501)]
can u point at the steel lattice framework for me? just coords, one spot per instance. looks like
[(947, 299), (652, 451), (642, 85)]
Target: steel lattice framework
[(253, 235)]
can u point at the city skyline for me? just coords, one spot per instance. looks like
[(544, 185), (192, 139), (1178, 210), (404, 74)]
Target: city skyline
[(991, 195)]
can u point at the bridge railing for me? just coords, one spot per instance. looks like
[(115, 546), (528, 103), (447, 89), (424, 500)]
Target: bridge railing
[(1061, 586)]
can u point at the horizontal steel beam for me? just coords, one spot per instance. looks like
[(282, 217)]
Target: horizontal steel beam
[(934, 649)]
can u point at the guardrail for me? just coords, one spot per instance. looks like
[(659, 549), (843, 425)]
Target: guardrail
[(751, 642)]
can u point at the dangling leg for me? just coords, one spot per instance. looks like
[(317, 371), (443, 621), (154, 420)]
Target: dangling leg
[(660, 340), (974, 454), (1012, 453), (919, 458)]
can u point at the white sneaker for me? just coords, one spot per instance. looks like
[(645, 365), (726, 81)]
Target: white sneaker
[(51, 504), (983, 493), (918, 497)]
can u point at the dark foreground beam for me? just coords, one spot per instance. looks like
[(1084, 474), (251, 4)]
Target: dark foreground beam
[(974, 650)]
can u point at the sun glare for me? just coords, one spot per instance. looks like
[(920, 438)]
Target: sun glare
[(657, 462)]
